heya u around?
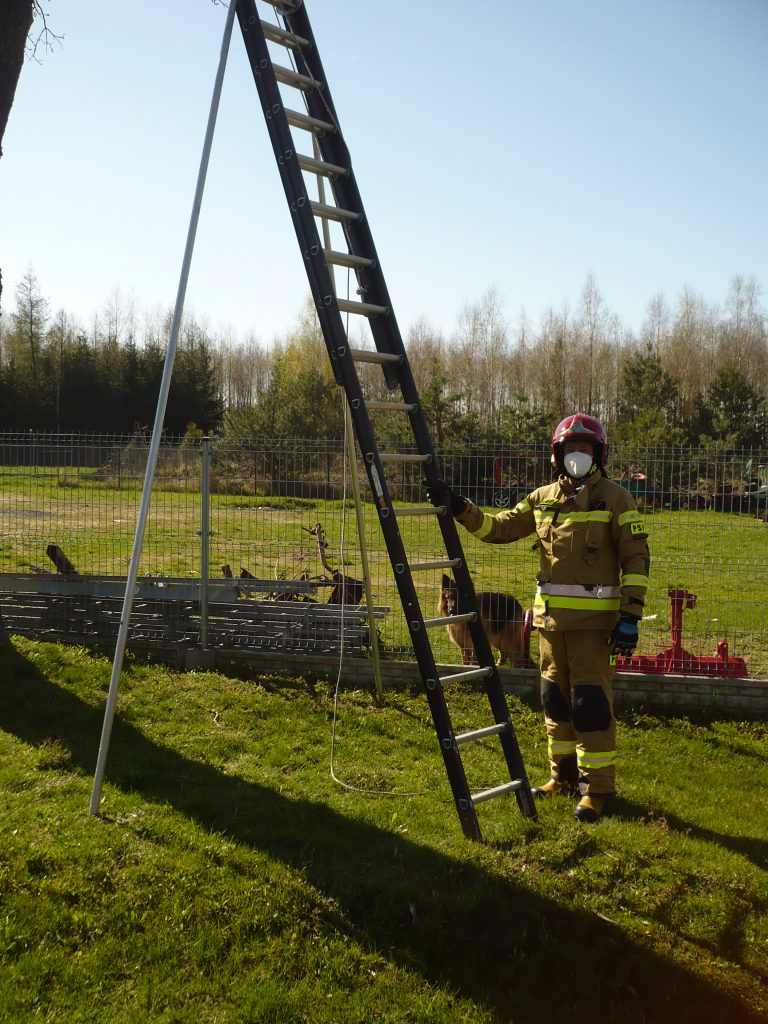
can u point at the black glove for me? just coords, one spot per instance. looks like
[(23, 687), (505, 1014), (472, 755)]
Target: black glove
[(439, 493), (624, 636)]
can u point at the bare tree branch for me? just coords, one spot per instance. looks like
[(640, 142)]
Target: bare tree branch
[(44, 38)]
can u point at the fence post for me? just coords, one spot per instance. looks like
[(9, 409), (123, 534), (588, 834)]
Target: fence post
[(205, 522), (352, 451)]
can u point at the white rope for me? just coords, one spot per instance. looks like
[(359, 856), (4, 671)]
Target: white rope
[(340, 782), (347, 441)]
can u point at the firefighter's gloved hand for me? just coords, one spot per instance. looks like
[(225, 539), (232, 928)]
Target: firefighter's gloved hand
[(440, 493), (624, 637)]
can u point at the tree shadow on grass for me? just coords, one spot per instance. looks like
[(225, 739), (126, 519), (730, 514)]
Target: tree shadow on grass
[(524, 957), (752, 848)]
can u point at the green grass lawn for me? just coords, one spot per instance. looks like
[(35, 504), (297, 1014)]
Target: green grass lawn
[(231, 878)]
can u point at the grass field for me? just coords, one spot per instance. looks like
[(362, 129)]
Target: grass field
[(230, 878), (722, 558)]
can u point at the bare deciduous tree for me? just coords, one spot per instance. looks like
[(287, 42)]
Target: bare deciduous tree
[(29, 320)]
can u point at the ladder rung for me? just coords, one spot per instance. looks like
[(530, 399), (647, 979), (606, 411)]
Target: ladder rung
[(392, 406), (279, 35), (489, 794), (333, 212), (366, 355), (460, 677), (348, 259), (391, 457), (447, 620), (285, 6), (423, 510), (290, 77), (480, 734), (363, 308), (309, 163), (309, 124), (446, 563)]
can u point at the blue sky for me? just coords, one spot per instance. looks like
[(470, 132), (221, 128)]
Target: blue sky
[(512, 145)]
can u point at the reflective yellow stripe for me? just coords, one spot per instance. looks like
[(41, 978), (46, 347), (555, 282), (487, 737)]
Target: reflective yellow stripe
[(597, 604), (562, 747), (595, 759), (579, 590), (634, 580), (595, 516), (484, 528), (630, 517), (522, 506)]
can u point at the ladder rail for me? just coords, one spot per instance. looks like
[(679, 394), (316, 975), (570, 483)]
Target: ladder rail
[(346, 194), (336, 342), (364, 261), (373, 287)]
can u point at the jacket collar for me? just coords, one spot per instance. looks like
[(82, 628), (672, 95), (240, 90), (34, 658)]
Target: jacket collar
[(567, 488)]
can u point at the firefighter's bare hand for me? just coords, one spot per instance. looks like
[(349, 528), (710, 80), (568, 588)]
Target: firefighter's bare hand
[(624, 636)]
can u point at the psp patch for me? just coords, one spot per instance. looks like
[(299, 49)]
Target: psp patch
[(637, 528)]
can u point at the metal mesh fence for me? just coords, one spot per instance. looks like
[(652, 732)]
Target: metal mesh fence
[(239, 528)]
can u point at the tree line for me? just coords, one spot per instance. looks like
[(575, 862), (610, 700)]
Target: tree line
[(55, 375), (694, 374)]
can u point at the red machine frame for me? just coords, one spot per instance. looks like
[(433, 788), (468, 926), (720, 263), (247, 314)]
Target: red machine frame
[(676, 660)]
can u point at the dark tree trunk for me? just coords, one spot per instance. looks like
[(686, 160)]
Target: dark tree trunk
[(15, 23)]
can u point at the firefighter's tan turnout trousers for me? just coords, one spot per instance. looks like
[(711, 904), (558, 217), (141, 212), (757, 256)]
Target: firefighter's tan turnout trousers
[(577, 697)]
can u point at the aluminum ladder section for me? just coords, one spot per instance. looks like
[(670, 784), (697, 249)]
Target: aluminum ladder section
[(320, 153)]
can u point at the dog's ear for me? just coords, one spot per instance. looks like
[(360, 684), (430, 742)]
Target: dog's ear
[(447, 582)]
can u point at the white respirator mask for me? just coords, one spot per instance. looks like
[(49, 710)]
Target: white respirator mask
[(577, 464)]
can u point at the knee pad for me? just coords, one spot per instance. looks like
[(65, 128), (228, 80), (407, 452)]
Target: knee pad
[(591, 710), (554, 703)]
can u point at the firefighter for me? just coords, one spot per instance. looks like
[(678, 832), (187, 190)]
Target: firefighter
[(592, 579)]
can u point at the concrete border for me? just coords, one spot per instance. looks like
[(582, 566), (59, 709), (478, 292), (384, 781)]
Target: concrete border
[(729, 698)]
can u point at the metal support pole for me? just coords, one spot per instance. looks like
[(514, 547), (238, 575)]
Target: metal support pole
[(374, 633), (205, 534), (162, 401)]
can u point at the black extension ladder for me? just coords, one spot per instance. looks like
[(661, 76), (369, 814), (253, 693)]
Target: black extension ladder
[(316, 125)]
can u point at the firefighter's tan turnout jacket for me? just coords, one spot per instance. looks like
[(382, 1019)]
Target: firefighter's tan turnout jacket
[(592, 545)]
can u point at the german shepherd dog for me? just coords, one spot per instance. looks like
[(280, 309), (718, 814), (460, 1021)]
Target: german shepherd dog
[(502, 618)]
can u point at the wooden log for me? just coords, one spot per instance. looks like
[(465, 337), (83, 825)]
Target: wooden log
[(60, 560)]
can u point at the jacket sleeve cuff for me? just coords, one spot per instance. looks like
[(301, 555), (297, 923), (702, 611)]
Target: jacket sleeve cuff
[(471, 518)]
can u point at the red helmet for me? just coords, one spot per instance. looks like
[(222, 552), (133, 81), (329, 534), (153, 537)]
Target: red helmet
[(580, 427)]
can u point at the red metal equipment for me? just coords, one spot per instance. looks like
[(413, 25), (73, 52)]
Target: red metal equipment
[(676, 660)]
